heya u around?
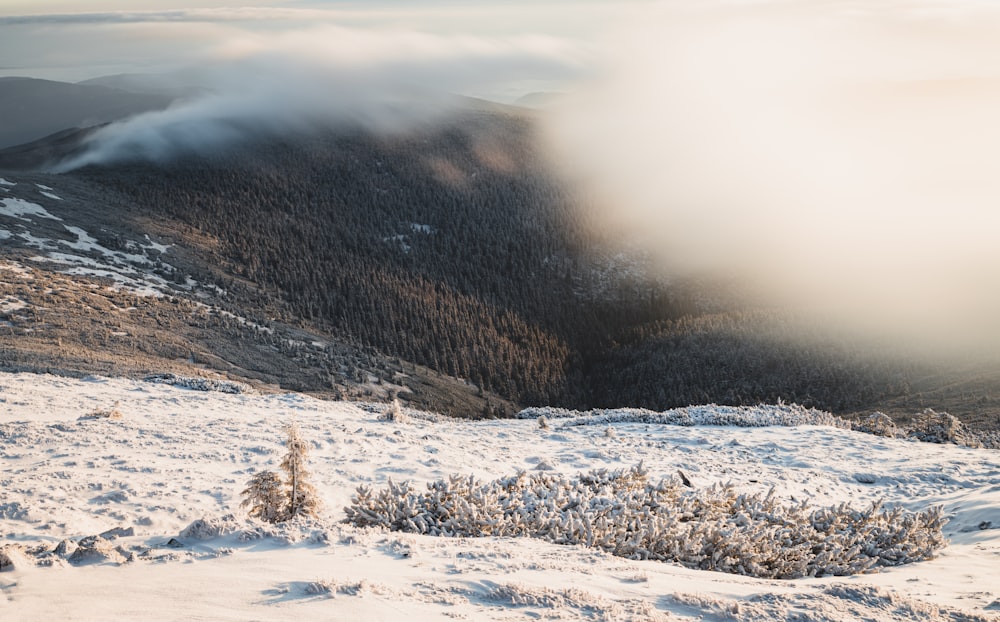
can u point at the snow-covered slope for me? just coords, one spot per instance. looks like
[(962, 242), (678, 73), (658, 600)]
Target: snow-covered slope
[(135, 267), (171, 456)]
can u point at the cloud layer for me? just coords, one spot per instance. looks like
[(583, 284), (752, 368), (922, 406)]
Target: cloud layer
[(836, 155), (381, 79)]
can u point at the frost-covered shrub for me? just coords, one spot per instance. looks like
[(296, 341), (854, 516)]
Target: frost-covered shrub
[(835, 602), (930, 426), (199, 384), (265, 497), (623, 513), (710, 414), (590, 606), (934, 427), (331, 587), (395, 413), (878, 424), (208, 528), (104, 413), (287, 533)]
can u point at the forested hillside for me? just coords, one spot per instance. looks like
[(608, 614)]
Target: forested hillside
[(452, 247)]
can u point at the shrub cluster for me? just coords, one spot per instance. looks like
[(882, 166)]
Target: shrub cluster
[(710, 414), (625, 514), (929, 426), (934, 427), (878, 424), (199, 384)]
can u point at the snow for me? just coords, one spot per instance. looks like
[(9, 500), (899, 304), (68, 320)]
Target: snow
[(400, 239), (23, 210), (132, 271), (50, 195), (176, 455), (9, 304), (84, 241), (151, 245), (4, 182), (124, 276)]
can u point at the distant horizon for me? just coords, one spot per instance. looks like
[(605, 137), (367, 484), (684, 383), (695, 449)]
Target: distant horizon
[(545, 42), (513, 99)]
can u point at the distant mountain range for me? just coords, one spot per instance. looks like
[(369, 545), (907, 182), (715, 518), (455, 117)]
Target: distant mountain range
[(32, 109)]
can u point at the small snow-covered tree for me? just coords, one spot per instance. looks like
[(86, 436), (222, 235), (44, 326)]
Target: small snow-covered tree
[(265, 497), (395, 413), (301, 496)]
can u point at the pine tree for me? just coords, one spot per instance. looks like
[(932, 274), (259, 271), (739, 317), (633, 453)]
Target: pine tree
[(264, 497), (301, 496)]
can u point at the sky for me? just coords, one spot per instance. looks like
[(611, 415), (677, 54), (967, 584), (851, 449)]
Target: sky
[(57, 40)]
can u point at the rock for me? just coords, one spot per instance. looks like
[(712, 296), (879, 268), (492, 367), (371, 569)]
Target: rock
[(118, 532), (11, 557), (95, 550), (65, 548)]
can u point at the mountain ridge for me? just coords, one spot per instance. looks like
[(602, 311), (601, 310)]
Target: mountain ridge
[(33, 108), (445, 266)]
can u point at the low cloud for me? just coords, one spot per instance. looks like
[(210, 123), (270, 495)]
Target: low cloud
[(836, 156), (381, 79)]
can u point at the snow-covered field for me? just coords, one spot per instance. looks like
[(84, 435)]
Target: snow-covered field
[(175, 456)]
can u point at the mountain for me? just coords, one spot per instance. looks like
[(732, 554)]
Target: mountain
[(444, 265), (173, 85), (539, 99), (46, 151), (32, 109)]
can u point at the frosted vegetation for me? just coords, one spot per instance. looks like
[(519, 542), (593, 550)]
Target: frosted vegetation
[(199, 384), (273, 500), (626, 514), (929, 426)]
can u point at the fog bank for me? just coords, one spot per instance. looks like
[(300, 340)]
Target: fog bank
[(835, 156)]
